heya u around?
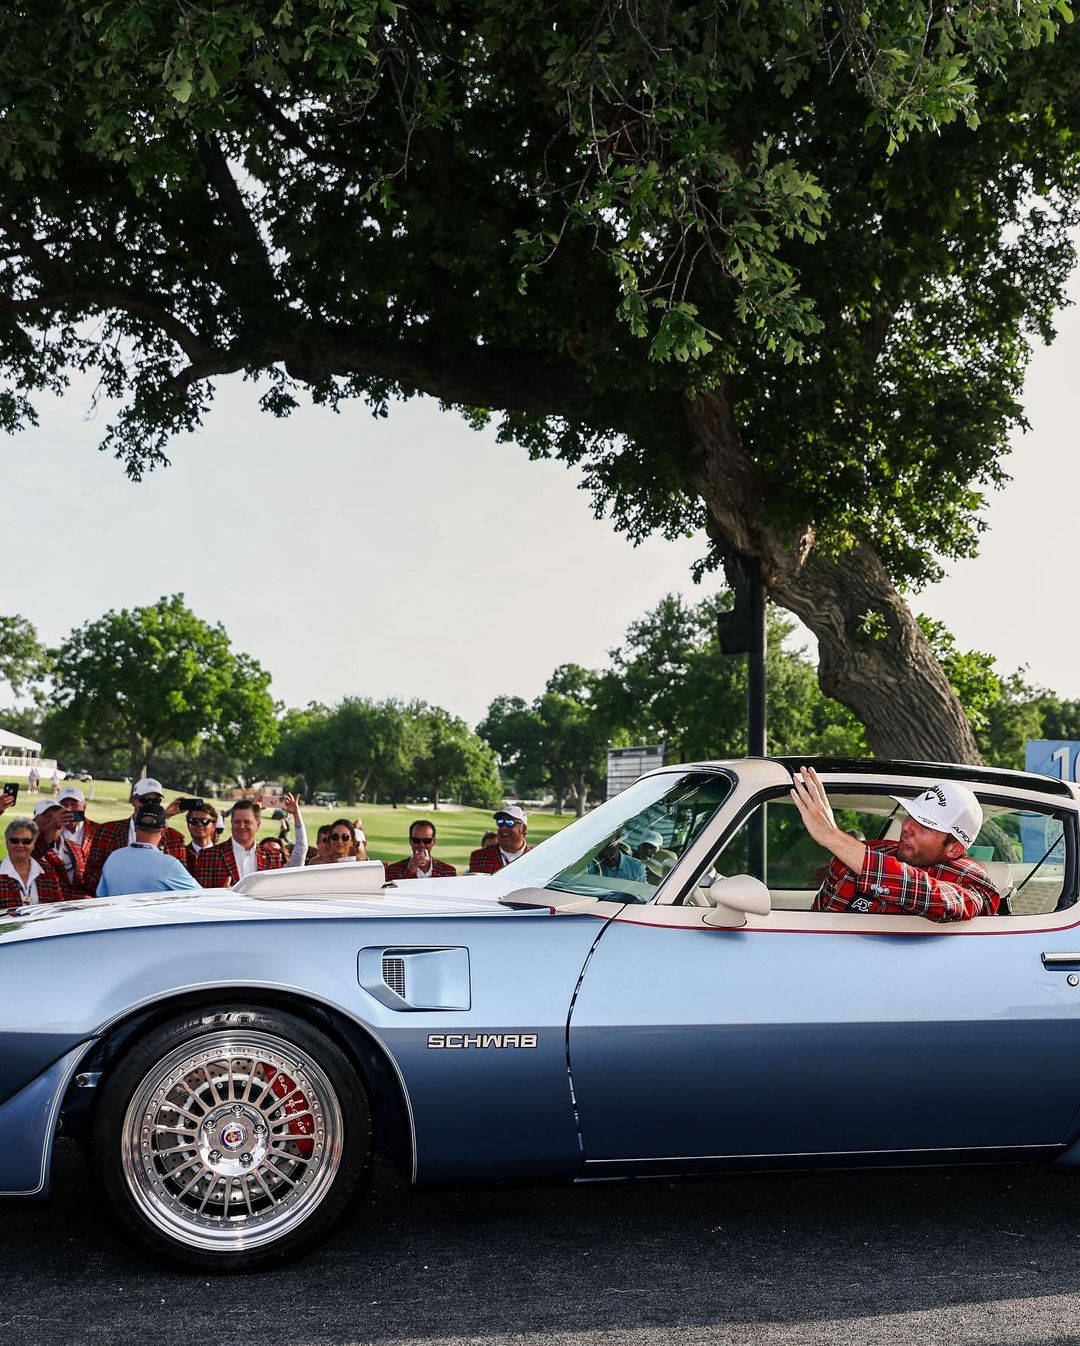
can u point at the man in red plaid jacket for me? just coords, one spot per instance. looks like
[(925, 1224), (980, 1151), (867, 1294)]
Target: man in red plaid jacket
[(421, 864), (110, 837), (925, 873), (222, 865), (512, 823)]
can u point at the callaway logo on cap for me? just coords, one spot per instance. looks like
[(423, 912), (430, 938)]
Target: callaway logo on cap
[(947, 807)]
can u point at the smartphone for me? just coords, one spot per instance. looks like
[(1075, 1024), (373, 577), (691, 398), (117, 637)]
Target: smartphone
[(12, 789), (186, 805)]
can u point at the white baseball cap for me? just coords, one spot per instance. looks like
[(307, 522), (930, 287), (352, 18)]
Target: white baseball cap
[(72, 792), (511, 811), (149, 786), (651, 839), (44, 805), (947, 807)]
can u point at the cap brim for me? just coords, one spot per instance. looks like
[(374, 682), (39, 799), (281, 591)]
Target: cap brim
[(923, 819)]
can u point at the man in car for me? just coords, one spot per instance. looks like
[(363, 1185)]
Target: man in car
[(926, 872), (613, 862)]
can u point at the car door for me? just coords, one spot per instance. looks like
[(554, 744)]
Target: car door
[(804, 1034)]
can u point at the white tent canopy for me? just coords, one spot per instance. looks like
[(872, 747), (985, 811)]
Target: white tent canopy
[(9, 740)]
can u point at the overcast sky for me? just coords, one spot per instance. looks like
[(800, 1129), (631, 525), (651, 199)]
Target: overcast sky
[(414, 557)]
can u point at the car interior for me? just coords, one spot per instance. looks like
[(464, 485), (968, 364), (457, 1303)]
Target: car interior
[(1022, 849)]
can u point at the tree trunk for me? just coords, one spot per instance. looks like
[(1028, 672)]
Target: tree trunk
[(138, 755), (435, 797), (350, 789), (872, 655), (580, 795)]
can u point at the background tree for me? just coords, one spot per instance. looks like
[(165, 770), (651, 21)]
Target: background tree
[(454, 759), (513, 731), (343, 746), (703, 251), (671, 683), (139, 680), (23, 658)]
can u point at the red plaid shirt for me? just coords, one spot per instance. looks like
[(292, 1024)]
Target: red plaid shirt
[(439, 870), (488, 860), (215, 866), (955, 890), (48, 889), (109, 837)]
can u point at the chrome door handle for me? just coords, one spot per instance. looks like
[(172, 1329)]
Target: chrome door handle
[(1060, 962)]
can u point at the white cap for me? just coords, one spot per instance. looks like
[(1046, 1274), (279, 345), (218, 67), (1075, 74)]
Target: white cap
[(360, 836), (512, 811), (149, 786), (651, 839), (44, 805), (947, 807), (72, 792)]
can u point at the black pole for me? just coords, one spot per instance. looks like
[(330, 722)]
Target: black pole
[(756, 735), (756, 732), (743, 631)]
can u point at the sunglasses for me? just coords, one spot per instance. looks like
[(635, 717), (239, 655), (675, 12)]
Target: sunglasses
[(340, 836), (21, 841), (422, 841), (201, 822), (506, 822)]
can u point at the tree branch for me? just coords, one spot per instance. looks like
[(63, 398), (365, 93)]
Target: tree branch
[(250, 241)]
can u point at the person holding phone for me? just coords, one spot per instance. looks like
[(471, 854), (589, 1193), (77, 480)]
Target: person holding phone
[(8, 795), (421, 864)]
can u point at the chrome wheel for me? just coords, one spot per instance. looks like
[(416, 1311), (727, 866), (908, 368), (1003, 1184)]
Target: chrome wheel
[(231, 1142)]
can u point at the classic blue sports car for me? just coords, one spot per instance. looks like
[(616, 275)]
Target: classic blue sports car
[(646, 992)]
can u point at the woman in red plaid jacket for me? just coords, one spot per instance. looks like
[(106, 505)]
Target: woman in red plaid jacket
[(23, 881)]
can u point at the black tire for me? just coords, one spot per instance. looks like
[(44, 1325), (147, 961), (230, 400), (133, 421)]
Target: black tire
[(233, 1138)]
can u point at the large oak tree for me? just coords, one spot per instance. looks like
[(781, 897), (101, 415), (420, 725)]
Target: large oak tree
[(770, 269)]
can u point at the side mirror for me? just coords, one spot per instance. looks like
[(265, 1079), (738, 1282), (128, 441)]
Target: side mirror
[(736, 896)]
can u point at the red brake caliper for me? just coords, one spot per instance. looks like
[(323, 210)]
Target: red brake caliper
[(281, 1086)]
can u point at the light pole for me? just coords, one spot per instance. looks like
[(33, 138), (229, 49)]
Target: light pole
[(743, 631)]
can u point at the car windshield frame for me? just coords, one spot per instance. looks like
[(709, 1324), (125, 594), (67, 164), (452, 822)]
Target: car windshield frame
[(580, 842)]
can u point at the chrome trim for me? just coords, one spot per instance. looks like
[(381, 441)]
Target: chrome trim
[(1061, 959), (825, 1154)]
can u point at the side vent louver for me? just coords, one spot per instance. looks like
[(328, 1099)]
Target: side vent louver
[(393, 971)]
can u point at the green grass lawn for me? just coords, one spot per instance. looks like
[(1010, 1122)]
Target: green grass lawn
[(459, 830)]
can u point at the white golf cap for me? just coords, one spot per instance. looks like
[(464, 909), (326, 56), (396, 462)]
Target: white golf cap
[(72, 792), (149, 786), (947, 807), (44, 805), (511, 811), (651, 839)]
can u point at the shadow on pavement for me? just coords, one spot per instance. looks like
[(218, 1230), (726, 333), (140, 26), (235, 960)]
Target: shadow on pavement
[(660, 1260)]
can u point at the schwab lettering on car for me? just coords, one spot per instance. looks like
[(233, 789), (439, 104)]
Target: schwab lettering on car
[(650, 990)]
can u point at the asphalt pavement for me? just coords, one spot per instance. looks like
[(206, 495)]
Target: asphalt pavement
[(987, 1255)]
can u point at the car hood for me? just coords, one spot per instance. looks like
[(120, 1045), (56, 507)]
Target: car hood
[(466, 896)]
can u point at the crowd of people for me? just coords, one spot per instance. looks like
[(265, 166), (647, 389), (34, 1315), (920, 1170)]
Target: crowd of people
[(59, 853)]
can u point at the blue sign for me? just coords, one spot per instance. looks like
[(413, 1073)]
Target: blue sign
[(1055, 757)]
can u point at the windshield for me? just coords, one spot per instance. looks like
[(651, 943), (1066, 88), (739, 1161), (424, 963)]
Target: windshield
[(625, 848)]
